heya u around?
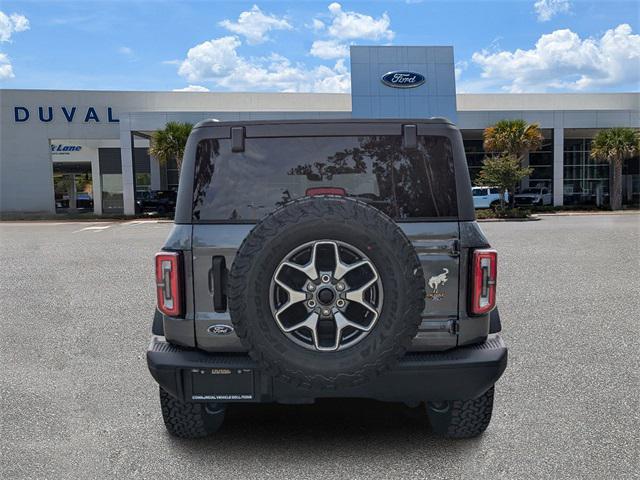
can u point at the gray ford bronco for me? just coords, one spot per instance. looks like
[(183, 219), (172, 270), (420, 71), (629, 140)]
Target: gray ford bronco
[(314, 259)]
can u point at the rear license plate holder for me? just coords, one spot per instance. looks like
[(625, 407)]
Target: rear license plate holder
[(222, 384)]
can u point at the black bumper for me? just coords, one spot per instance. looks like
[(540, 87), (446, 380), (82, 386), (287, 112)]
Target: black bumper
[(194, 375)]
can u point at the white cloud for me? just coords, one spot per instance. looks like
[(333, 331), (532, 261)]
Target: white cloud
[(345, 25), (10, 24), (328, 49), (192, 88), (561, 60), (547, 9), (317, 25), (126, 51), (218, 61), (212, 59), (255, 24), (351, 25), (6, 70)]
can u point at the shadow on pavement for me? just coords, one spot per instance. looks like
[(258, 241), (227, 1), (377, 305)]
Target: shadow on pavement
[(363, 427)]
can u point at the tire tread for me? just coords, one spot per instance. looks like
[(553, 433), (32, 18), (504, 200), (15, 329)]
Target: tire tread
[(188, 419)]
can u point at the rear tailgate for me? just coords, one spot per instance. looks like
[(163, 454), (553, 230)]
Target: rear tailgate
[(436, 244)]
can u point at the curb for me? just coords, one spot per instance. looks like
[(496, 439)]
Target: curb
[(528, 219), (577, 214)]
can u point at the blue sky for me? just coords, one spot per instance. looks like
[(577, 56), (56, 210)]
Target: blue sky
[(512, 46)]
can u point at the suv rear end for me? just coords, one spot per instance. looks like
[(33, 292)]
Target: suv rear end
[(246, 187)]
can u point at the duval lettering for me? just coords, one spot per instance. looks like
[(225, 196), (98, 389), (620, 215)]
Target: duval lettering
[(47, 114)]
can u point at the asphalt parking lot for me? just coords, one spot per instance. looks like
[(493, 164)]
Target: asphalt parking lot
[(76, 301)]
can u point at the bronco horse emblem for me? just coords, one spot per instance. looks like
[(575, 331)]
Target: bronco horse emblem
[(435, 282)]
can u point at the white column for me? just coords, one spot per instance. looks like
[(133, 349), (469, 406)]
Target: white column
[(558, 166), (126, 156), (96, 184)]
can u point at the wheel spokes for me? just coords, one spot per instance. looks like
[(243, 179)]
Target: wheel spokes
[(357, 295), (311, 322), (294, 297), (342, 322), (309, 269), (324, 295), (341, 268)]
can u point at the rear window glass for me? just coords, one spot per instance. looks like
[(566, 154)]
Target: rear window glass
[(246, 186)]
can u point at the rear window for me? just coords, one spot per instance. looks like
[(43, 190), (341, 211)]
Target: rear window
[(246, 186)]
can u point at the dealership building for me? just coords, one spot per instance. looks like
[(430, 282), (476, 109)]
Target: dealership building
[(63, 150)]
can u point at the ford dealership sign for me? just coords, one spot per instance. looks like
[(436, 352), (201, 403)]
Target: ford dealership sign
[(402, 79)]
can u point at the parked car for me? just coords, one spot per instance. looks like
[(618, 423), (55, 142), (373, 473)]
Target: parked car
[(270, 289), (487, 197), (534, 196), (84, 200), (161, 202)]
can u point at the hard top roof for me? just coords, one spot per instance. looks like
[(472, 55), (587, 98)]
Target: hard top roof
[(404, 121)]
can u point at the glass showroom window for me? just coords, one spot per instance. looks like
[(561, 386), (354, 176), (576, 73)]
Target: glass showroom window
[(541, 161), (173, 174), (475, 154), (586, 181), (142, 169), (143, 182)]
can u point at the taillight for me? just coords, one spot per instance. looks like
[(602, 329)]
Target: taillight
[(325, 191), (484, 269), (168, 283)]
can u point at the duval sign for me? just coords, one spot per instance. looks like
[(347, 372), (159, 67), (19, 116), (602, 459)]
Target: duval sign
[(69, 114), (403, 79)]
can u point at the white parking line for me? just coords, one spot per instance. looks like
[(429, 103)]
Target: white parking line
[(94, 228), (139, 222)]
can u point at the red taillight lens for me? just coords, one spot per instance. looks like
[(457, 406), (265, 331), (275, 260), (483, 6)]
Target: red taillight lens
[(484, 270), (325, 191), (168, 283)]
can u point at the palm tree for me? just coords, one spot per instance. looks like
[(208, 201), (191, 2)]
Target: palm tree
[(512, 139), (169, 143), (615, 145)]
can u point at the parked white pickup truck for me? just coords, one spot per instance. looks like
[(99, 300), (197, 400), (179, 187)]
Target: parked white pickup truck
[(487, 197), (534, 196)]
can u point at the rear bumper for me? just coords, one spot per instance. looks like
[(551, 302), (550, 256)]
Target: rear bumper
[(194, 375)]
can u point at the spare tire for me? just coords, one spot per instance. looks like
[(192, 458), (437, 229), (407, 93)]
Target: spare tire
[(326, 292)]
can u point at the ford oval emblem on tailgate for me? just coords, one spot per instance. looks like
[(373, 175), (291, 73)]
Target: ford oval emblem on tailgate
[(402, 79), (220, 329)]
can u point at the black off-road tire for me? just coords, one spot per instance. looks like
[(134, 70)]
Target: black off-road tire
[(462, 418), (326, 218), (189, 419)]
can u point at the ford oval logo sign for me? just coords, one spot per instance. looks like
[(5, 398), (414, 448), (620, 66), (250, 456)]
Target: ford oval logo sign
[(401, 79), (220, 329)]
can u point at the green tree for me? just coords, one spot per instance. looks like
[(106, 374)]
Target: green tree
[(515, 138), (169, 143), (615, 145), (504, 172)]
